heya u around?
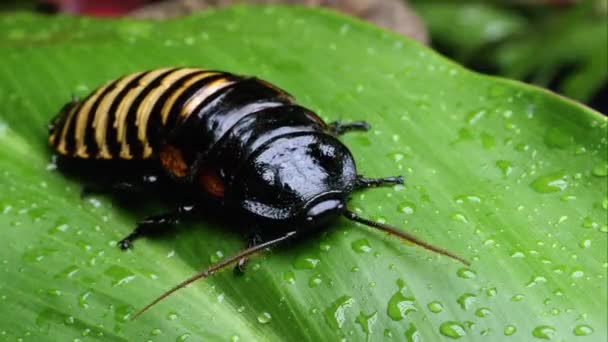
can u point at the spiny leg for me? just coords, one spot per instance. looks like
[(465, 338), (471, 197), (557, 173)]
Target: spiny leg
[(155, 224), (253, 240), (139, 184), (339, 128), (364, 183)]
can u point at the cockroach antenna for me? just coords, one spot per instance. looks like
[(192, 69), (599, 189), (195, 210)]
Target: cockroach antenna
[(403, 235), (214, 268)]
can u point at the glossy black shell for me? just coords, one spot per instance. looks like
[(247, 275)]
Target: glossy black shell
[(246, 144)]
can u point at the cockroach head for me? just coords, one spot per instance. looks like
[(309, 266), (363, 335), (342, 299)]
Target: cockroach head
[(323, 209)]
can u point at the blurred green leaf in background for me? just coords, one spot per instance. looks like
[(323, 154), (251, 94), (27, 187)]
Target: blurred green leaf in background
[(558, 46)]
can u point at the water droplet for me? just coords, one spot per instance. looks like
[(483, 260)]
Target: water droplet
[(518, 254), (557, 138), (521, 147), (380, 219), (38, 254), (509, 329), (582, 330), (215, 257), (82, 299), (550, 183), (412, 334), (600, 170), (544, 332), (361, 246), (559, 269), (586, 243), (122, 313), (396, 156), (459, 217), (406, 207), (367, 321), (577, 273), (466, 273), (399, 305), (119, 275), (491, 292), (60, 226), (289, 277), (470, 198), (474, 116), (435, 307), (315, 281), (54, 292), (466, 300), (172, 316), (566, 198), (561, 219), (304, 262), (324, 246), (264, 317), (536, 280), (482, 312), (580, 150), (452, 329), (183, 337), (68, 272), (335, 315), (589, 223)]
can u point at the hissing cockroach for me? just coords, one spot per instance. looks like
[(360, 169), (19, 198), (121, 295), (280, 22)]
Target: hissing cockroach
[(236, 141)]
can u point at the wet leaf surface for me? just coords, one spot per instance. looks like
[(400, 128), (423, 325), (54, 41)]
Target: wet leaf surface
[(509, 176)]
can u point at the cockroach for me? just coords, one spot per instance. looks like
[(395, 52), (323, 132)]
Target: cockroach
[(238, 142)]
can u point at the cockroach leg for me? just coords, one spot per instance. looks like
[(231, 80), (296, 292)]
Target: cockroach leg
[(364, 183), (254, 239), (339, 128), (153, 225)]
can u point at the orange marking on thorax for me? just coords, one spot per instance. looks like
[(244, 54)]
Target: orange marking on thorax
[(211, 182), (172, 160)]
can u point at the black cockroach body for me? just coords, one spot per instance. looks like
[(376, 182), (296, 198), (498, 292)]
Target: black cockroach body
[(237, 141)]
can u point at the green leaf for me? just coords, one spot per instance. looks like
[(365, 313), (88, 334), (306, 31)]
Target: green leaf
[(573, 47), (509, 176), (467, 28)]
